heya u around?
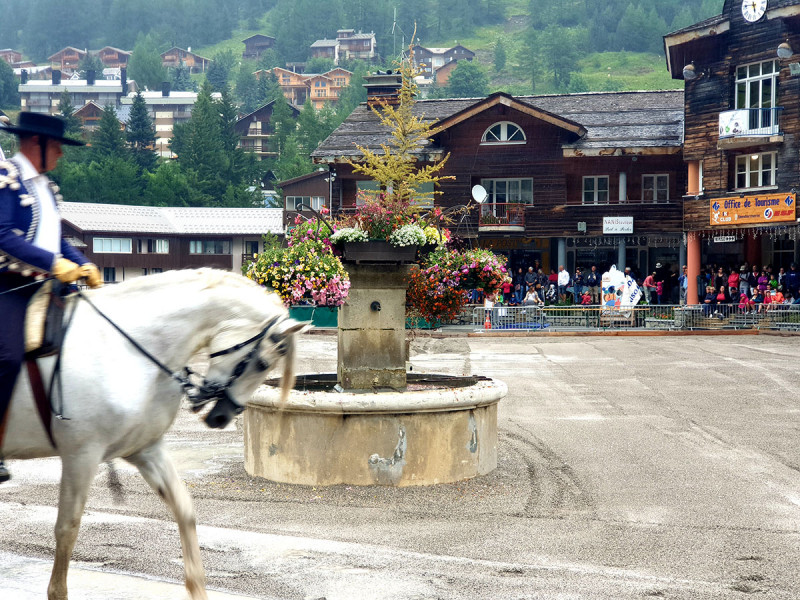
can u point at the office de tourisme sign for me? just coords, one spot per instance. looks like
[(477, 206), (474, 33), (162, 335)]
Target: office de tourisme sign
[(746, 210)]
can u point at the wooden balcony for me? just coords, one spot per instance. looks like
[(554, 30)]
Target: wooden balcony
[(749, 127), (502, 217)]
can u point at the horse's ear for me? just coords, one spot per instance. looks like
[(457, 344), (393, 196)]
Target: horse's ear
[(290, 326)]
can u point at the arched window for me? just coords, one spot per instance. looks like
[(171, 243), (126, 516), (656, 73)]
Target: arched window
[(504, 132)]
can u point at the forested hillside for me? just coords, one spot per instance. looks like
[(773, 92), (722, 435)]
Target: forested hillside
[(42, 27)]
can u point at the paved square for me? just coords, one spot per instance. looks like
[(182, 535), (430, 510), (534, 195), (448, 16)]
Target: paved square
[(628, 468)]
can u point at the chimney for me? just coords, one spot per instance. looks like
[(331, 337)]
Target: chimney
[(90, 76), (23, 76), (383, 86), (56, 77), (123, 75), (165, 88)]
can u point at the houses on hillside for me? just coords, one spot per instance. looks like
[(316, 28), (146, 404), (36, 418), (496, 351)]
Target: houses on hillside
[(436, 64), (255, 130), (319, 88), (348, 45)]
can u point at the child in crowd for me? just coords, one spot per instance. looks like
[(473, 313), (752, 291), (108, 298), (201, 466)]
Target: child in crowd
[(586, 299), (745, 304)]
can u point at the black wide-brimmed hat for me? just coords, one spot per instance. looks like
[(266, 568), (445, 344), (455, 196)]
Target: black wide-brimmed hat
[(31, 123)]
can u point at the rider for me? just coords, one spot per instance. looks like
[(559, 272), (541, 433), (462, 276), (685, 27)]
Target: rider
[(31, 246)]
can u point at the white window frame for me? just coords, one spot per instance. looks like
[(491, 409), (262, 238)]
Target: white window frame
[(491, 189), (504, 134), (595, 190), (749, 79), (112, 245), (315, 202), (198, 246), (743, 164), (655, 189)]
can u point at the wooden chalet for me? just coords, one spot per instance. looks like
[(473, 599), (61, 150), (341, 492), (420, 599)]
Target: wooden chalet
[(256, 45), (113, 57), (742, 121), (67, 59), (175, 57), (326, 49), (428, 60), (11, 56), (441, 75), (301, 192), (90, 115), (131, 241), (571, 179), (320, 88), (255, 130)]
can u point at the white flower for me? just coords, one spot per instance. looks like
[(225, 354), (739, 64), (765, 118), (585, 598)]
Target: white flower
[(408, 235), (348, 234)]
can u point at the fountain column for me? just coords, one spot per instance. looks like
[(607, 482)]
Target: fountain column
[(372, 328)]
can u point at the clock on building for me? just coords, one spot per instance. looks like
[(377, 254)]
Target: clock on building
[(753, 10)]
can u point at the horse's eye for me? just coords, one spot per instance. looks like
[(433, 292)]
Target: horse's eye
[(262, 365)]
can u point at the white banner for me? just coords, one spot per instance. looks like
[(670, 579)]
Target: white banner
[(619, 290), (613, 225), (733, 122)]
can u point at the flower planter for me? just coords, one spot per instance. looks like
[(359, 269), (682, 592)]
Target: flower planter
[(377, 252), (319, 316)]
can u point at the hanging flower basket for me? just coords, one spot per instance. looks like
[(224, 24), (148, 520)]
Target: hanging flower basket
[(376, 251)]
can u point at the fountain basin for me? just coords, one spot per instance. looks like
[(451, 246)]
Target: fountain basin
[(438, 429)]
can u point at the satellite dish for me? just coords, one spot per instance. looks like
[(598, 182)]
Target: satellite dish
[(479, 194)]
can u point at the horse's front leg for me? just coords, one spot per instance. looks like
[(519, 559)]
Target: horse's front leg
[(158, 470), (77, 473)]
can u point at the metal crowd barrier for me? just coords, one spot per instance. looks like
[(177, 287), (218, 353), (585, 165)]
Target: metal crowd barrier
[(641, 317)]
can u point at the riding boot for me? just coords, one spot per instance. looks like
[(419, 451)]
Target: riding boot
[(5, 475)]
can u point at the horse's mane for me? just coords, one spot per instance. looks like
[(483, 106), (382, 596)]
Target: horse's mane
[(206, 278)]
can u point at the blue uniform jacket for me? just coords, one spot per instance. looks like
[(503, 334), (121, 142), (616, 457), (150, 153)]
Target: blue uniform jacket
[(19, 220)]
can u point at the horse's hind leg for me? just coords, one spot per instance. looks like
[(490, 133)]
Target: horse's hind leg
[(77, 474), (157, 469)]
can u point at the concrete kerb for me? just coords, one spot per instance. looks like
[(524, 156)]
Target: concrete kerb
[(458, 331)]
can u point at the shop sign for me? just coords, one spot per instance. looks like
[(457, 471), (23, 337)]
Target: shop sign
[(723, 239), (613, 225), (749, 210)]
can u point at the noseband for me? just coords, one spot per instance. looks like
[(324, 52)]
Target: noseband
[(208, 391)]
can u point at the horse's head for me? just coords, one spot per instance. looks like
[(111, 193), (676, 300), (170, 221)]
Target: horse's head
[(241, 357)]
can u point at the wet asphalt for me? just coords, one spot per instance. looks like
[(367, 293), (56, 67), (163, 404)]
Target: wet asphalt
[(628, 468)]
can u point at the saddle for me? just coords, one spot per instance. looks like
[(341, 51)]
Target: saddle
[(44, 320)]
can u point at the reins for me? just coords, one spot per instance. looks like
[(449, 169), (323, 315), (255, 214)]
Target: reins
[(199, 395)]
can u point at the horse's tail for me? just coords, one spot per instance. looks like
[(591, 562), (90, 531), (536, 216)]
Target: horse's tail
[(288, 377)]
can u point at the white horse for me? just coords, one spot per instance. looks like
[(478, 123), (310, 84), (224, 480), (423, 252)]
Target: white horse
[(119, 403)]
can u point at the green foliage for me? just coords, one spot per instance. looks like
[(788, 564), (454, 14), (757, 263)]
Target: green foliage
[(91, 62), (144, 66), (499, 56), (247, 89), (141, 134), (219, 71), (8, 86), (319, 65), (182, 80), (269, 59), (292, 161), (468, 80), (72, 124), (108, 140)]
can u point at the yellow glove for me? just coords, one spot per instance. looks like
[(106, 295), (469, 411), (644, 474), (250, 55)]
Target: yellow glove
[(92, 275), (65, 270)]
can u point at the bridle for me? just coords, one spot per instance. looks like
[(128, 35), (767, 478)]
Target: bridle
[(208, 391)]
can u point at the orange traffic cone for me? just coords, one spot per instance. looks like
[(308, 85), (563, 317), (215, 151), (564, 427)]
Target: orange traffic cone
[(487, 324)]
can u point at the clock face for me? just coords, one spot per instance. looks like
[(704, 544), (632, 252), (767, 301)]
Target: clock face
[(753, 10)]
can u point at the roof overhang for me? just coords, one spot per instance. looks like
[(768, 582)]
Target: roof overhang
[(570, 152), (503, 99), (672, 41)]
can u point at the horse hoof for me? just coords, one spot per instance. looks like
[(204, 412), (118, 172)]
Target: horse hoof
[(5, 475)]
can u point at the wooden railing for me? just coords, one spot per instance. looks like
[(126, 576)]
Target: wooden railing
[(501, 214)]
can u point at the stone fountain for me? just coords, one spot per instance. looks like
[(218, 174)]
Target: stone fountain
[(372, 423)]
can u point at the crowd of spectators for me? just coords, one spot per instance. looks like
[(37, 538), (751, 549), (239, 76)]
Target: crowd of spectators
[(747, 288)]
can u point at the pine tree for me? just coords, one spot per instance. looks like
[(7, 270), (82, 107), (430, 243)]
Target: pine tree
[(108, 140), (182, 80), (91, 62), (141, 134), (468, 80), (72, 124)]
